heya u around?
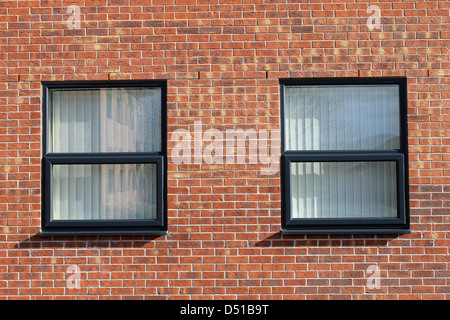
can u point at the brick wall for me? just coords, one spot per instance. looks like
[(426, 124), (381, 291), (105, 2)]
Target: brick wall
[(222, 60)]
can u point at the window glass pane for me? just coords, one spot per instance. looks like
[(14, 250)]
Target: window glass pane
[(105, 120), (342, 117), (344, 189), (104, 191)]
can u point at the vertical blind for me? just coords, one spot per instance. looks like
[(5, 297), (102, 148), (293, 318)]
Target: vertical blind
[(104, 191), (343, 189), (348, 117), (104, 120), (343, 118)]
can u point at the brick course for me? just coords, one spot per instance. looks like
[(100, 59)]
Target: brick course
[(222, 60)]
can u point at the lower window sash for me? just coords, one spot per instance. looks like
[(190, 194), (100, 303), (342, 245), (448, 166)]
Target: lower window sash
[(334, 192)]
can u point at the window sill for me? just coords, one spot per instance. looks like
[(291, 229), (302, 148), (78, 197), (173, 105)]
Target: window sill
[(102, 233), (346, 231)]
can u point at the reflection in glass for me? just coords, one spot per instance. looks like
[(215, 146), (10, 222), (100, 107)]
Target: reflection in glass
[(343, 189), (105, 120), (342, 117), (104, 191)]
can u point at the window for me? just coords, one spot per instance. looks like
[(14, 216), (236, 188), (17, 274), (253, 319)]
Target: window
[(344, 154), (104, 158)]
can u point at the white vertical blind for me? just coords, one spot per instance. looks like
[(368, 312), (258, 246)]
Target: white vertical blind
[(105, 120), (342, 118), (104, 191), (343, 189), (347, 117)]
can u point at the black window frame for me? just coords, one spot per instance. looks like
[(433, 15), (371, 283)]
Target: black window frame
[(398, 225), (156, 226)]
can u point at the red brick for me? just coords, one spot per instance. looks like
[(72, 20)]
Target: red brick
[(223, 65)]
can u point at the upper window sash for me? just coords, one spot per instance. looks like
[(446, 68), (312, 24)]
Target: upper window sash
[(344, 115), (99, 120)]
